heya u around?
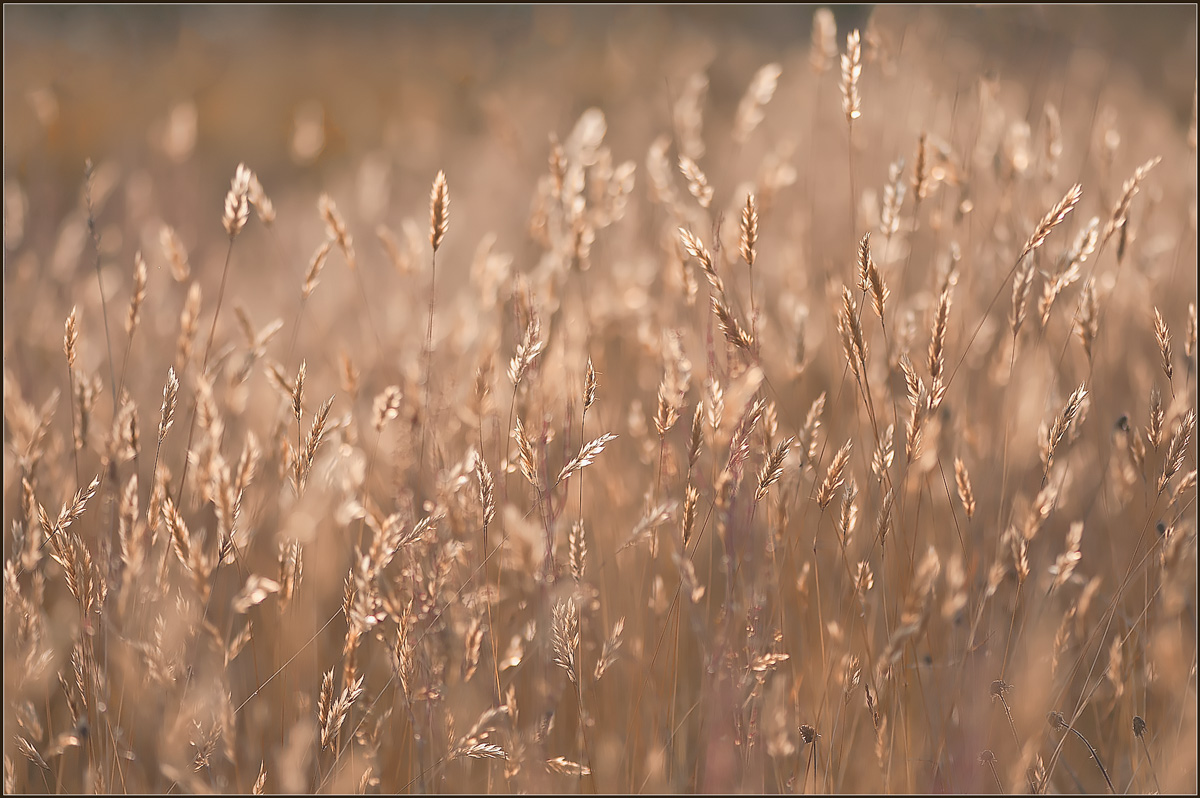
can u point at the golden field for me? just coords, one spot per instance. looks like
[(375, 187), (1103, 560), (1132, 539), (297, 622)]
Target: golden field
[(625, 400)]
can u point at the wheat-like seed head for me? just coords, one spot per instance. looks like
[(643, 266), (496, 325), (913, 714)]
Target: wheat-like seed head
[(589, 386), (261, 202), (237, 202), (439, 210), (386, 407), (851, 70), (1051, 220), (70, 338), (1061, 423), (833, 477), (175, 253), (587, 453), (937, 339), (577, 543), (824, 47), (920, 177), (1177, 448), (298, 392), (758, 94), (749, 237), (138, 295), (735, 334), (314, 267), (487, 489), (1163, 336), (1087, 325), (963, 480), (1120, 212), (1189, 338), (697, 250), (697, 181), (566, 637), (772, 469), (525, 453)]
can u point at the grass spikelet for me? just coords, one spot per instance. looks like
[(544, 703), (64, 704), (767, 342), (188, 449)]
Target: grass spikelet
[(758, 94), (772, 469), (851, 70), (697, 250), (834, 476), (525, 453), (175, 253), (1163, 337), (1087, 324), (1120, 212), (824, 47), (749, 238), (1062, 423), (963, 481), (237, 202), (1051, 220), (439, 210), (587, 454), (138, 294), (566, 637), (697, 181), (166, 414), (730, 326), (1177, 448)]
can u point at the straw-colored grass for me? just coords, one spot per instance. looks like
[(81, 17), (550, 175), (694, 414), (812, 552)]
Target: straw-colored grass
[(511, 506)]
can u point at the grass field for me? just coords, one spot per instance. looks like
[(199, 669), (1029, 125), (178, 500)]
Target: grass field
[(600, 400)]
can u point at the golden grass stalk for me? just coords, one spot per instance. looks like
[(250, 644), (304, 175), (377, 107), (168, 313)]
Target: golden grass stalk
[(577, 551), (1061, 423), (1067, 561), (609, 652), (1087, 324), (1189, 338), (920, 176), (697, 250), (138, 295), (834, 476), (772, 469), (1120, 212), (735, 334), (853, 343), (963, 480), (1177, 448), (937, 338), (439, 210), (1163, 337), (1051, 220), (237, 202), (697, 181), (851, 71), (566, 637), (487, 490), (525, 454), (749, 237), (824, 47), (175, 253), (587, 454), (589, 386), (758, 94), (691, 496)]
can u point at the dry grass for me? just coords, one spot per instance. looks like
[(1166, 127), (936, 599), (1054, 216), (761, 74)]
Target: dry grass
[(511, 506)]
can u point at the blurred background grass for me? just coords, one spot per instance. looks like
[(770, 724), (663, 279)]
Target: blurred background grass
[(96, 81)]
